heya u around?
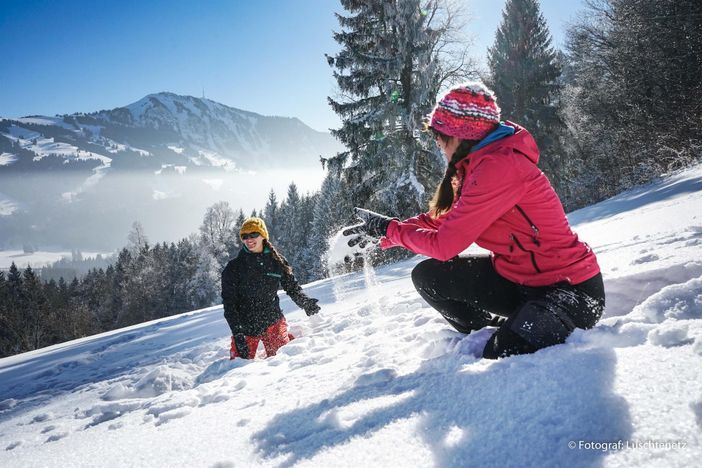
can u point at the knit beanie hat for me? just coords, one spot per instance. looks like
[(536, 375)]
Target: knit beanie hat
[(468, 111), (254, 224)]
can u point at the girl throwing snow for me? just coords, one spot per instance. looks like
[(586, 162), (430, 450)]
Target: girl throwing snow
[(540, 281), (250, 284)]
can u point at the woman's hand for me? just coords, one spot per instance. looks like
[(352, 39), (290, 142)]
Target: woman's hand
[(311, 307), (374, 225)]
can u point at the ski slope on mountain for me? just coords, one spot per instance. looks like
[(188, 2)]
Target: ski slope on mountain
[(378, 378)]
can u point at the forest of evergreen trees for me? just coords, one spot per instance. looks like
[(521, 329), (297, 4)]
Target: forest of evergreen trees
[(619, 106), (145, 282)]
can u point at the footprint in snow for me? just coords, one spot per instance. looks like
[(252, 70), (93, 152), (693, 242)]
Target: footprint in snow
[(382, 376), (420, 321), (13, 445), (40, 418), (645, 259), (225, 464), (670, 335), (218, 368), (168, 416), (216, 397), (696, 407), (56, 437)]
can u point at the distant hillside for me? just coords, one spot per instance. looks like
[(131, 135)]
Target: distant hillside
[(80, 180), (161, 131)]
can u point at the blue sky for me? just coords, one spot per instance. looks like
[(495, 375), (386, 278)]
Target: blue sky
[(266, 56)]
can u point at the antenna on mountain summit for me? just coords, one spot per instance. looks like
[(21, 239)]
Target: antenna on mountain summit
[(203, 92)]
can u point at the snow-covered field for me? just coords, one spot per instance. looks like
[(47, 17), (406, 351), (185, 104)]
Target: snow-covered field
[(37, 259), (378, 378)]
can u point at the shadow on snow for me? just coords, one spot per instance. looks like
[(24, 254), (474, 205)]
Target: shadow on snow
[(520, 411)]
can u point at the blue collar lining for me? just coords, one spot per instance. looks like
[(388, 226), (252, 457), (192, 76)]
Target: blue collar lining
[(500, 132)]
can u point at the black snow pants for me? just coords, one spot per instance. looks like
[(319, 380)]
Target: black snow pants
[(470, 295)]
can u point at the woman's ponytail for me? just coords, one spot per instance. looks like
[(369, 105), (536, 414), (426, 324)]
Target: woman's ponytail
[(278, 257), (443, 197)]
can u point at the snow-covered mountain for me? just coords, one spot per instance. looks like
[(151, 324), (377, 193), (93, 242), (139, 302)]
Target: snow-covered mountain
[(162, 130), (165, 157), (379, 379)]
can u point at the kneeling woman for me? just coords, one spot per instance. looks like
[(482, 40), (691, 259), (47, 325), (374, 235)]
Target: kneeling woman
[(540, 281), (250, 284)]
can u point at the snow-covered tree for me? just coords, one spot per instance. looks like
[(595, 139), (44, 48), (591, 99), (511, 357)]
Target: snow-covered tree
[(270, 216), (218, 232), (204, 286), (308, 255), (388, 73), (136, 239), (11, 314)]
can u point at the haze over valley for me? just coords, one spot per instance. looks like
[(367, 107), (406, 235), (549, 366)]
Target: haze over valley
[(79, 181)]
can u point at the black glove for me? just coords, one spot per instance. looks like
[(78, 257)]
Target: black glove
[(311, 306), (241, 346), (374, 224)]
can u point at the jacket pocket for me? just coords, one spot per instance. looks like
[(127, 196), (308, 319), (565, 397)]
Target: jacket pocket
[(534, 229), (532, 255)]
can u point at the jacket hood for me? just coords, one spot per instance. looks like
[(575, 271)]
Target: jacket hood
[(521, 141)]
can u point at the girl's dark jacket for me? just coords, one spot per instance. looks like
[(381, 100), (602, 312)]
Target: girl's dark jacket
[(250, 284)]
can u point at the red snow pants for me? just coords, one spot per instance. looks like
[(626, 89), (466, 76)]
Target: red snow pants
[(273, 338)]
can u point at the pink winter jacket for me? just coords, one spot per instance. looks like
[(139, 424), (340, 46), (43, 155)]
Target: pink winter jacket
[(507, 206)]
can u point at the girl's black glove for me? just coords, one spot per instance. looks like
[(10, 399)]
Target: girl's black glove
[(373, 225), (311, 306)]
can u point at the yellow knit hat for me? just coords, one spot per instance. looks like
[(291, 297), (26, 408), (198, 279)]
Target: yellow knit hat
[(254, 224)]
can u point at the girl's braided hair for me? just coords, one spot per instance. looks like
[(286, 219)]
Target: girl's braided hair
[(278, 257)]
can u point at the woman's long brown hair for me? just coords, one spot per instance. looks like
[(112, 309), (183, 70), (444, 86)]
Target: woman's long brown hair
[(278, 257), (443, 197)]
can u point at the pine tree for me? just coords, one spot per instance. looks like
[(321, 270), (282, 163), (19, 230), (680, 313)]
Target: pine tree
[(12, 318), (270, 216), (241, 217), (291, 233), (5, 335), (388, 74), (524, 73), (36, 317), (306, 255), (3, 288)]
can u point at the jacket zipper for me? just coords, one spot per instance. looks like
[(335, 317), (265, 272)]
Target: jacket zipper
[(534, 229), (531, 254)]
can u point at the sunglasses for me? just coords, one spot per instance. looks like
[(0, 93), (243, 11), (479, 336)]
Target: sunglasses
[(250, 235)]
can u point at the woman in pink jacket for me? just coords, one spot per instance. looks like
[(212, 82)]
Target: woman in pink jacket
[(540, 281)]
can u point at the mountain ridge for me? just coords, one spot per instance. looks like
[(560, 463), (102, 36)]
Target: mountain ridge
[(210, 134)]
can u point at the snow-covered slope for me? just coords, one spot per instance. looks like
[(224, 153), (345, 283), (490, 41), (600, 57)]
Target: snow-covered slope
[(377, 378)]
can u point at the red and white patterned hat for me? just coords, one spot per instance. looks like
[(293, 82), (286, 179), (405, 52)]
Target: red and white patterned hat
[(468, 111)]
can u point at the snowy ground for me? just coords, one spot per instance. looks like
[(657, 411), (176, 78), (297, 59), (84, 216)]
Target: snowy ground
[(37, 259), (378, 378)]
